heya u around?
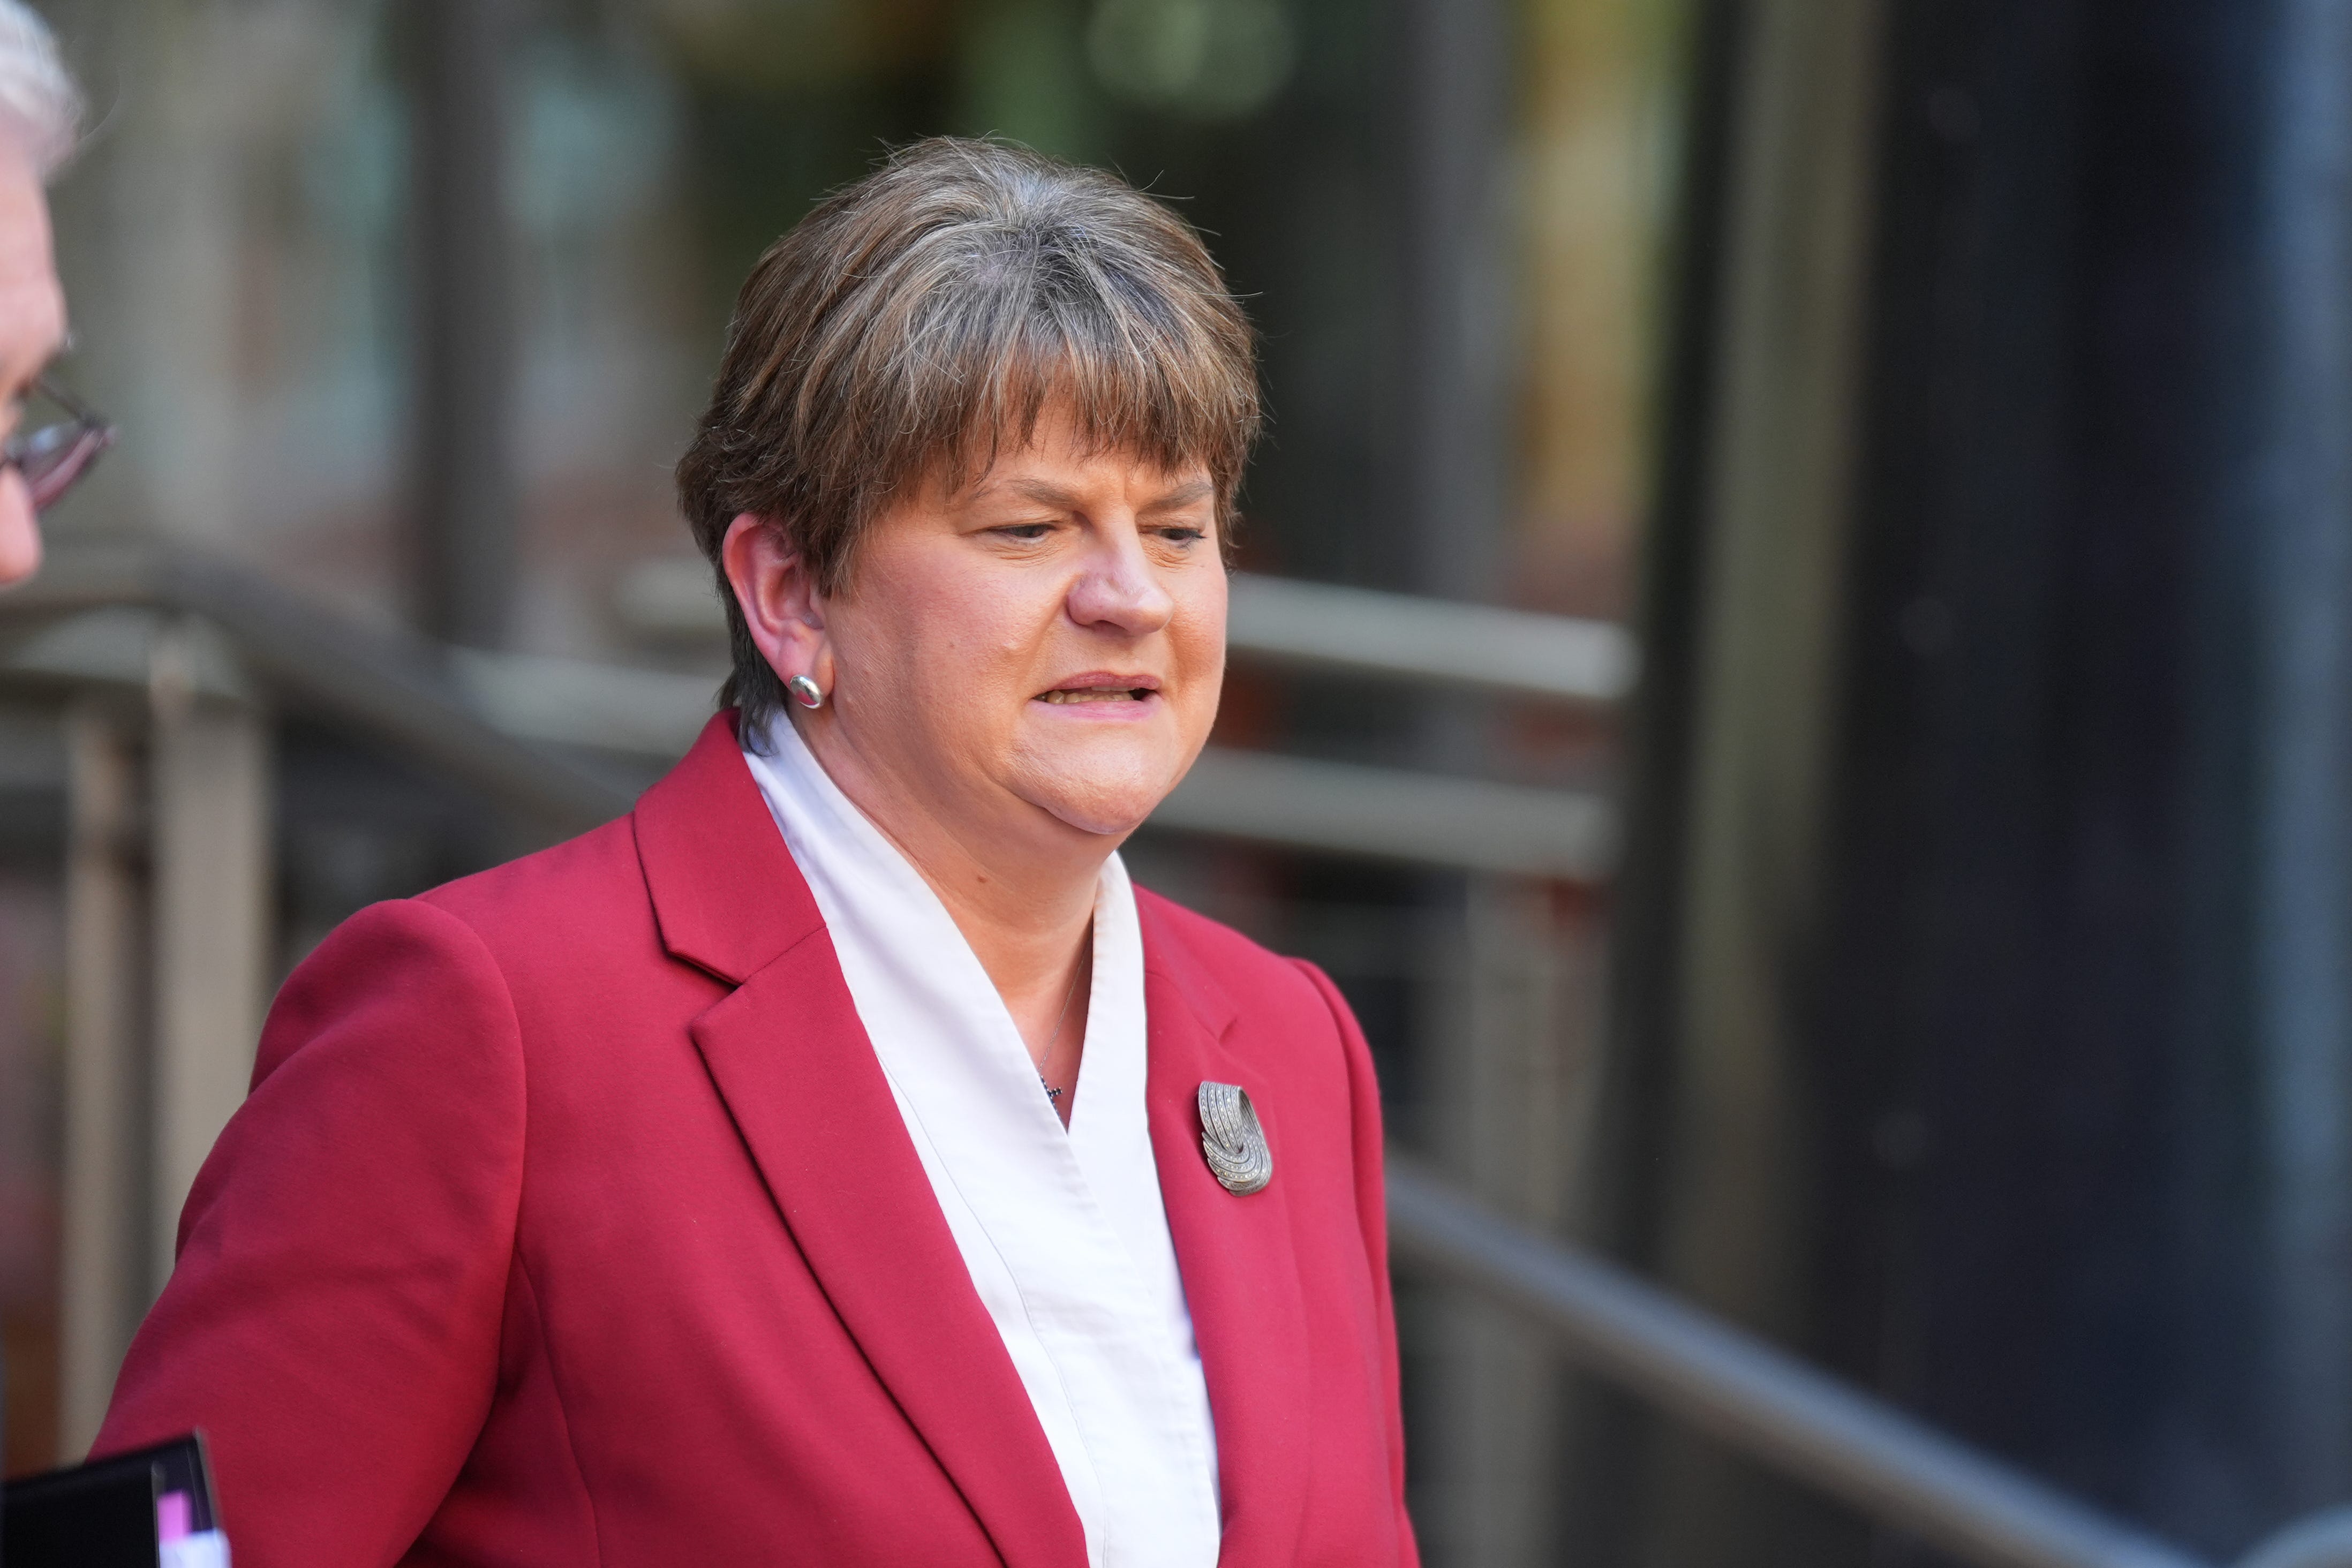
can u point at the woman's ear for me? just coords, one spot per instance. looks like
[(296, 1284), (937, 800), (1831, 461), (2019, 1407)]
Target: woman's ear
[(779, 599)]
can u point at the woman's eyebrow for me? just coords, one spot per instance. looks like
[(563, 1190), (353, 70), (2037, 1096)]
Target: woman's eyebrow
[(1190, 493), (1038, 490), (1044, 492)]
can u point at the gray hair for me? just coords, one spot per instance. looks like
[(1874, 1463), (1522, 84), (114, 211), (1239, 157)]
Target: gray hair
[(40, 107)]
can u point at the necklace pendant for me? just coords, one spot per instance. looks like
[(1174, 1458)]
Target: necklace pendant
[(1232, 1142)]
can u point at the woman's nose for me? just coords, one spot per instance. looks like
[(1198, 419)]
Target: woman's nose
[(1118, 589)]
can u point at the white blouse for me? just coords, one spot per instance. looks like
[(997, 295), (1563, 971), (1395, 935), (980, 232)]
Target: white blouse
[(1062, 1230)]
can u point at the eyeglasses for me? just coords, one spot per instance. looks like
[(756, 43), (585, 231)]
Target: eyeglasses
[(52, 457)]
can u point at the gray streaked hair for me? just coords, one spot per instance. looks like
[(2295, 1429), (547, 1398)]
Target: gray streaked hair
[(40, 107), (917, 322)]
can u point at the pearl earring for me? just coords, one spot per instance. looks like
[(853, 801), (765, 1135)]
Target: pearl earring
[(805, 692)]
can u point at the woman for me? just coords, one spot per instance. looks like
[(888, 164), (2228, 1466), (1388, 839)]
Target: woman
[(811, 1167)]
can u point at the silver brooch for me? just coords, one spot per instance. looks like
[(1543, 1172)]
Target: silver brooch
[(1232, 1141)]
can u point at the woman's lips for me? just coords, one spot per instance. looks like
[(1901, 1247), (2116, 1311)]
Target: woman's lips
[(1062, 695), (1110, 693)]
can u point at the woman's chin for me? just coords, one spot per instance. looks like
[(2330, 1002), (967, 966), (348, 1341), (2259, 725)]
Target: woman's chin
[(1110, 813), (1112, 803)]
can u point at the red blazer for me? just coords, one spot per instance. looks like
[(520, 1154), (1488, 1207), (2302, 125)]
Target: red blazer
[(570, 1221)]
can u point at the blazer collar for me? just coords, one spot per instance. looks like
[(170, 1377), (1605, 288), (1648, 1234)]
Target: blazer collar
[(792, 1061), (1235, 1254), (726, 892)]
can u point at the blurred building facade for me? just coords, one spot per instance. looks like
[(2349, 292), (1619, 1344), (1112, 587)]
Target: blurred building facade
[(1982, 943)]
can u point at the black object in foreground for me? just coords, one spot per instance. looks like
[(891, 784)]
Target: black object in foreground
[(103, 1514)]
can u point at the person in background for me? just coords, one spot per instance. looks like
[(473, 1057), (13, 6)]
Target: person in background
[(40, 118), (838, 1161)]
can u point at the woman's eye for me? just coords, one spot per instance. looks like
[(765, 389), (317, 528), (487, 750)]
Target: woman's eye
[(1184, 535), (1025, 531)]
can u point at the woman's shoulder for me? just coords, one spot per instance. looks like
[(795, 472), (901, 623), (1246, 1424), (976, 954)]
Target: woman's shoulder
[(1246, 973), (576, 908), (551, 893), (516, 956), (1209, 941)]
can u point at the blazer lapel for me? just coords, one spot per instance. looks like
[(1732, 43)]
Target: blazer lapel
[(789, 1057), (1241, 1274)]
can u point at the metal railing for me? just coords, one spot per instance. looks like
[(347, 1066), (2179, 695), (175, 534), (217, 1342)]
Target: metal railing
[(1341, 808), (393, 691), (1310, 626), (1888, 1465), (474, 720), (1401, 637)]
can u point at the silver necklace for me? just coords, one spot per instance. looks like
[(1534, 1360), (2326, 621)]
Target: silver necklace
[(1051, 1040)]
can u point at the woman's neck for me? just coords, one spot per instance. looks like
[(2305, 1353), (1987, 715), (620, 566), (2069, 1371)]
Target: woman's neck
[(1021, 888)]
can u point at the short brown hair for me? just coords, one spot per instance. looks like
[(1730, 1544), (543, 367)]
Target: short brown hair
[(916, 320)]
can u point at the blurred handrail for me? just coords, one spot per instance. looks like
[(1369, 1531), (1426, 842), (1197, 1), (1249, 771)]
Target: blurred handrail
[(1774, 1408), (1297, 802), (476, 716), (1282, 620), (391, 689), (1405, 637)]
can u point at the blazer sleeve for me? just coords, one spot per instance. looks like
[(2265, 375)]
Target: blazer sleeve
[(333, 1323), (1372, 1215)]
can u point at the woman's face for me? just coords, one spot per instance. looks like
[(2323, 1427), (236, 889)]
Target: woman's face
[(1037, 653)]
